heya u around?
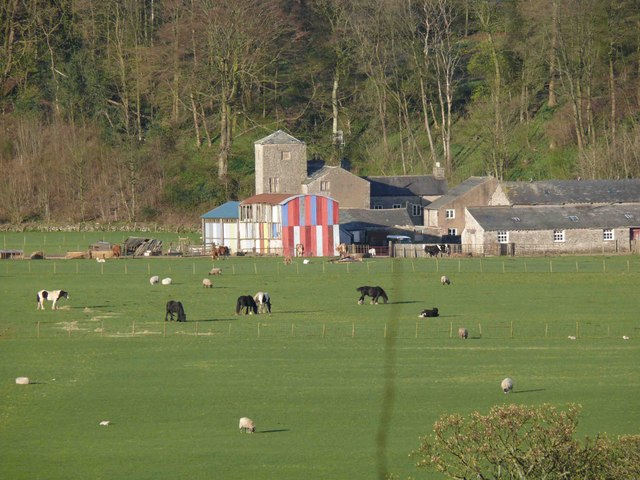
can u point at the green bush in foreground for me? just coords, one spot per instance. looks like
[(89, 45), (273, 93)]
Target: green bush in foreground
[(522, 442)]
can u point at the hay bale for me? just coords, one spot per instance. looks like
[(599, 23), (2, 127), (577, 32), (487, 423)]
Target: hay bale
[(22, 380), (76, 255)]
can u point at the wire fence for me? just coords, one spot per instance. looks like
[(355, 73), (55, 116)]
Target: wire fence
[(432, 329), (270, 266)]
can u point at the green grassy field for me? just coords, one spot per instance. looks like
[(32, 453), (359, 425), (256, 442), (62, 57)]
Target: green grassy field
[(313, 375)]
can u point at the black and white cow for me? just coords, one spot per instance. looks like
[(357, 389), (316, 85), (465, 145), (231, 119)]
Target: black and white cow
[(52, 296)]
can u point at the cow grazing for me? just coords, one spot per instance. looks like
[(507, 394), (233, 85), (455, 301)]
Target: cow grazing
[(429, 313), (51, 295), (175, 308), (248, 303), (263, 300)]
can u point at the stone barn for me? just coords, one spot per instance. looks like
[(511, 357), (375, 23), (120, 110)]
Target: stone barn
[(220, 227), (552, 230), (275, 223)]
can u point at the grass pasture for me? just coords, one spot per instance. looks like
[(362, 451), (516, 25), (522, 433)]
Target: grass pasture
[(313, 375)]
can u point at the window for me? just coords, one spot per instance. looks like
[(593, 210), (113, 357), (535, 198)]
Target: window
[(503, 237), (325, 186), (246, 213), (452, 232), (515, 219), (397, 205), (274, 185), (607, 234), (558, 235), (377, 206), (416, 210), (286, 156), (573, 218), (450, 213)]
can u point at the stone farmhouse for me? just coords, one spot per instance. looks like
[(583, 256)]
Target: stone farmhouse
[(479, 216)]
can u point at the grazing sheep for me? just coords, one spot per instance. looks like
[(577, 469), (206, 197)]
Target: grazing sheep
[(167, 281), (206, 283), (571, 337), (624, 337), (507, 385), (246, 424), (463, 333), (52, 296), (22, 380), (444, 280), (215, 271), (155, 279)]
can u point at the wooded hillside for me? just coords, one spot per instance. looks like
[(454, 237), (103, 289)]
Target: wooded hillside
[(147, 110)]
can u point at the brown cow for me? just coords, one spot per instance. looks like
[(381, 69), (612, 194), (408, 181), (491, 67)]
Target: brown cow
[(116, 250)]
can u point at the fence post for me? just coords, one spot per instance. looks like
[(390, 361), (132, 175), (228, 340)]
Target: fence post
[(292, 327), (577, 329), (353, 329), (38, 330), (451, 330), (480, 329), (385, 330), (258, 329), (546, 330), (416, 329), (511, 330), (197, 325), (324, 326)]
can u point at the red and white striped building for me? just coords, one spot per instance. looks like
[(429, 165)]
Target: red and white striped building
[(275, 223)]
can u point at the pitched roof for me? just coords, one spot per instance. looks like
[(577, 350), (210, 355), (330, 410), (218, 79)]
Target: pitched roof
[(278, 137), (559, 192), (557, 217), (457, 191), (407, 185), (326, 169), (226, 210), (356, 218), (269, 198)]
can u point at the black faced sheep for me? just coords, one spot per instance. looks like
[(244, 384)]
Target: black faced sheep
[(444, 280), (247, 425), (507, 385), (154, 280), (463, 333), (206, 283)]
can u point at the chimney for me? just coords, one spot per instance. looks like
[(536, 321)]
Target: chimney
[(438, 171)]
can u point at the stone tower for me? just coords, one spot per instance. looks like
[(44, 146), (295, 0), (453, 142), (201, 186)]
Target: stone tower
[(281, 164)]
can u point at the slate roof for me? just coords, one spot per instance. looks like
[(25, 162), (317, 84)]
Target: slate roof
[(278, 138), (457, 191), (318, 173), (226, 210), (559, 192), (557, 217), (407, 186), (359, 218)]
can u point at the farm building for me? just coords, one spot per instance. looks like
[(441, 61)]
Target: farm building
[(348, 189), (275, 223), (552, 229), (220, 227)]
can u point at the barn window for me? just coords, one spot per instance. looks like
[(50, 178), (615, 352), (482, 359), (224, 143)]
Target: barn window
[(503, 237), (450, 213), (452, 232), (607, 234), (573, 218), (325, 186), (274, 185), (286, 156), (377, 206), (397, 205), (558, 235), (416, 210)]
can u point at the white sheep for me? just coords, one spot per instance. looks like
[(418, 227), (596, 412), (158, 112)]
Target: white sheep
[(463, 333), (22, 380), (167, 281), (444, 280), (206, 283), (215, 271), (246, 424), (507, 385), (155, 279)]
